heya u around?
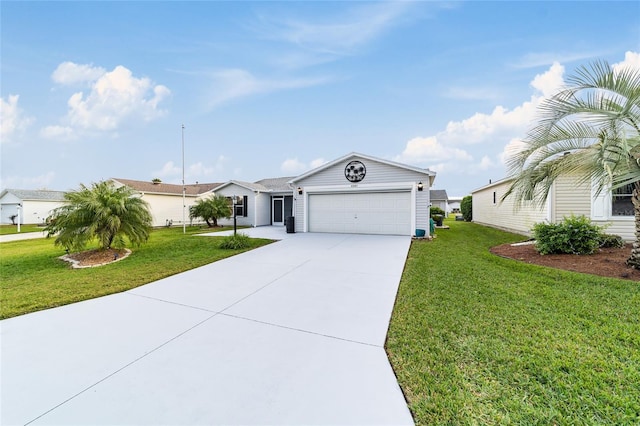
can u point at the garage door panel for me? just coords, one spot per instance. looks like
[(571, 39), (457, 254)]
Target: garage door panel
[(365, 213)]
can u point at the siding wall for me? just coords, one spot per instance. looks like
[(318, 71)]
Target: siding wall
[(503, 215), (377, 174), (570, 197), (263, 206), (166, 207), (231, 190)]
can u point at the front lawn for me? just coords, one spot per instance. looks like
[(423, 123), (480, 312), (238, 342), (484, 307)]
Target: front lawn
[(479, 339), (32, 277), (13, 229)]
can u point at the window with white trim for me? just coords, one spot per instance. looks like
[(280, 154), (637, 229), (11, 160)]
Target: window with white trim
[(621, 204), (240, 206)]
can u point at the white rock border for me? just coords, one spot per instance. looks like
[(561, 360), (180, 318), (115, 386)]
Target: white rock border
[(75, 264)]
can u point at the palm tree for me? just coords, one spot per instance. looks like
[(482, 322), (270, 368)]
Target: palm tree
[(104, 212), (211, 209), (590, 128)]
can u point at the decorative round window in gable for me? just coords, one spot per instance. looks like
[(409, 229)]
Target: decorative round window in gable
[(355, 171)]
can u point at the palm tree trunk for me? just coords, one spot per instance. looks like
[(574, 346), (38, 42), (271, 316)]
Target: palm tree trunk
[(634, 259)]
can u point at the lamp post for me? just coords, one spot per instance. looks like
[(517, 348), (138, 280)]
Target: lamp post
[(184, 203), (235, 201)]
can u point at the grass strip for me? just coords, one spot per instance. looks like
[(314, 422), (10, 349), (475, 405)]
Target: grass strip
[(32, 277), (479, 339)]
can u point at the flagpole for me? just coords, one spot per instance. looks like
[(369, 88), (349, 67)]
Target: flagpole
[(184, 189)]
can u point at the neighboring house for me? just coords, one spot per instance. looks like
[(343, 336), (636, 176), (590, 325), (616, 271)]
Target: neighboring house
[(361, 194), (440, 199), (265, 202), (454, 204), (165, 199), (32, 206), (567, 196)]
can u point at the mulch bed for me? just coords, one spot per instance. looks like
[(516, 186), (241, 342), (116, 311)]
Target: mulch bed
[(608, 262)]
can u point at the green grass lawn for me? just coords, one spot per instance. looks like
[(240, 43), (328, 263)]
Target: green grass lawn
[(479, 339), (32, 277), (13, 229)]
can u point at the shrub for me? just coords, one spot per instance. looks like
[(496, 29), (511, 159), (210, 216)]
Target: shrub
[(574, 235), (235, 242), (466, 208), (611, 241), (433, 210)]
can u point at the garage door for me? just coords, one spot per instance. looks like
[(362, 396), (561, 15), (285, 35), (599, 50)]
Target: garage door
[(361, 213)]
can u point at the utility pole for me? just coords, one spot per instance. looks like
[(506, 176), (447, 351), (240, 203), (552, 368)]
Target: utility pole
[(184, 189)]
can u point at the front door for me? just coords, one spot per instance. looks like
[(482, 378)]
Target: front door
[(277, 211)]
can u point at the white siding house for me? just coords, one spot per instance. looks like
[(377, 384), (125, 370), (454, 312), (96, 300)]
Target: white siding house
[(567, 196), (358, 193), (439, 198), (31, 206), (261, 203)]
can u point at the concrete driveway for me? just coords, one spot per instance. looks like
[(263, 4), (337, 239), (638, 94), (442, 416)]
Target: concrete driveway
[(290, 333)]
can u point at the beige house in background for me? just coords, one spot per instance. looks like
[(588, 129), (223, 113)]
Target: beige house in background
[(568, 196), (165, 199)]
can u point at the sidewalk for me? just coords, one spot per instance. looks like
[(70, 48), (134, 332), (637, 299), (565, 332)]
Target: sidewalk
[(22, 236)]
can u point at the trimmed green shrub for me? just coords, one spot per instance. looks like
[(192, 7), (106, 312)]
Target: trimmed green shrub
[(433, 210), (235, 242), (574, 235), (466, 208), (611, 241)]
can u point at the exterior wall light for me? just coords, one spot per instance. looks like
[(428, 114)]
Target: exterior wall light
[(420, 186), (299, 191)]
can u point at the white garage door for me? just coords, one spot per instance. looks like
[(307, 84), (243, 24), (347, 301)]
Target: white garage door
[(361, 213)]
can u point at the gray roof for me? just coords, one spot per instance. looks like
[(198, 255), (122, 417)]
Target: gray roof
[(37, 195), (438, 194), (276, 184)]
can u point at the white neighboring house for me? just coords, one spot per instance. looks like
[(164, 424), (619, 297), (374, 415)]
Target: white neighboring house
[(32, 206), (165, 199), (361, 194), (439, 198), (454, 204), (567, 196)]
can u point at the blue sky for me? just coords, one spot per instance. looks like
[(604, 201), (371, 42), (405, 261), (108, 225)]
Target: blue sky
[(94, 90)]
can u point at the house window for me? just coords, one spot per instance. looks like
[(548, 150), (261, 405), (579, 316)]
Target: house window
[(494, 197), (621, 204), (241, 206)]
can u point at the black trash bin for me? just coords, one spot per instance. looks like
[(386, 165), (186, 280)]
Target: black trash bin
[(290, 223)]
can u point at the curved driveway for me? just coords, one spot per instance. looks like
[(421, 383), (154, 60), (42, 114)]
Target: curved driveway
[(290, 333)]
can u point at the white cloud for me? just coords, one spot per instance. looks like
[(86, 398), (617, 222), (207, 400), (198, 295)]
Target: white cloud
[(232, 84), (429, 150), (294, 166), (339, 35), (199, 171), (549, 82), (114, 97), (169, 169), (69, 73), (482, 130), (631, 59), (41, 181), (58, 132), (13, 120), (317, 163)]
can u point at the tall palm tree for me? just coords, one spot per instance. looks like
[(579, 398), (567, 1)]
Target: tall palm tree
[(590, 128), (104, 212)]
